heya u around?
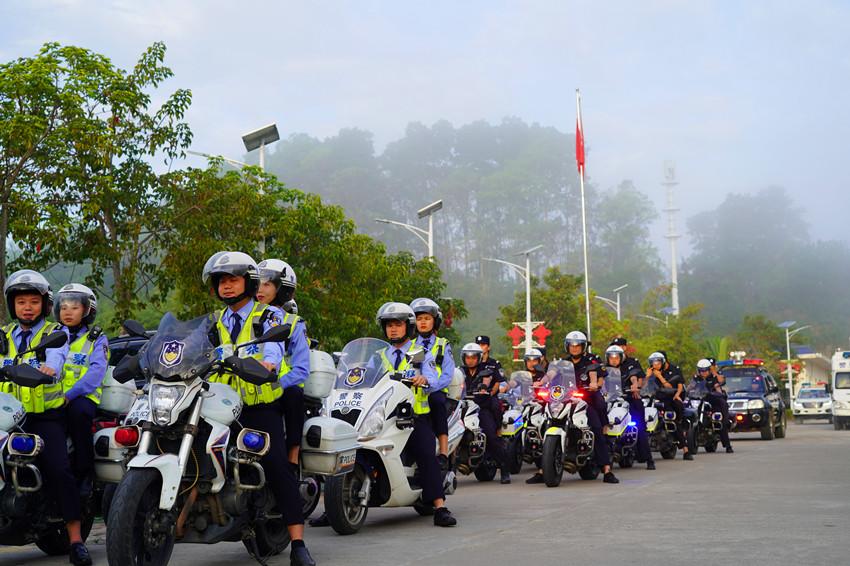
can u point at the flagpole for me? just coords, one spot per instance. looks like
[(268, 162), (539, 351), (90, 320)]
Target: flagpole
[(584, 221)]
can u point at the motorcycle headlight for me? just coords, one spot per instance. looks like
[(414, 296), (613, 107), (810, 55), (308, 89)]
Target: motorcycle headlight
[(163, 398), (373, 422), (755, 404)]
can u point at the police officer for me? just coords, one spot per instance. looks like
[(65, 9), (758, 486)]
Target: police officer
[(487, 361), (631, 375), (590, 378), (429, 317), (234, 278), (537, 365), (277, 289), (669, 376), (82, 376), (483, 383), (706, 371), (399, 325), (29, 300)]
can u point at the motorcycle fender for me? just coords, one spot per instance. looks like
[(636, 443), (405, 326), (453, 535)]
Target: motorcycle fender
[(216, 450), (169, 469), (556, 431)]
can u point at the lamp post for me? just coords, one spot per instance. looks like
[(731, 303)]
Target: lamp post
[(788, 334), (258, 140), (525, 273), (614, 304), (427, 236)]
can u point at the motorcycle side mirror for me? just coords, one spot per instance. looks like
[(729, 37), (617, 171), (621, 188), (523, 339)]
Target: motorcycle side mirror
[(250, 370), (55, 339), (416, 355), (314, 343), (127, 369), (134, 328), (27, 376), (337, 356)]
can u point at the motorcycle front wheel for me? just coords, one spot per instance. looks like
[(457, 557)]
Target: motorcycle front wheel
[(516, 450), (346, 513), (553, 461), (139, 532)]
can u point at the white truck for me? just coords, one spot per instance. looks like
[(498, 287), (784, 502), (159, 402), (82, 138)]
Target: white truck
[(840, 388)]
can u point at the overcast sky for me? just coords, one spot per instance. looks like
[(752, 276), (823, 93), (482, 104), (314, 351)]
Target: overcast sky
[(741, 95)]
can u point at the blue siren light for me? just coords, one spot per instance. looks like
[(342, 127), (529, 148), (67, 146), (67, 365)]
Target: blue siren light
[(23, 444), (253, 441)]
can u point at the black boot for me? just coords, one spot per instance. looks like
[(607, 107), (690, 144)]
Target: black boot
[(536, 478), (688, 456), (300, 556), (650, 465), (79, 555), (609, 477), (729, 450)]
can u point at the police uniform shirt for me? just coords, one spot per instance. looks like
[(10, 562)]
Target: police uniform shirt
[(627, 367), (97, 362), (673, 375), (272, 351), (474, 382), (429, 366), (493, 364), (297, 348), (584, 365), (448, 363)]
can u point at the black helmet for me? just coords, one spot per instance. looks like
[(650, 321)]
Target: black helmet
[(232, 263), (28, 281)]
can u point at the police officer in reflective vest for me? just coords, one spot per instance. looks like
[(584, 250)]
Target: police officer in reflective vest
[(29, 300), (399, 325), (429, 317), (590, 378), (234, 278), (630, 377), (82, 376), (277, 289)]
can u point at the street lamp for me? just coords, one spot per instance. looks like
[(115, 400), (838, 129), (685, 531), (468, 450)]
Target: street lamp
[(614, 304), (258, 139), (525, 273), (427, 236), (665, 321), (223, 158), (788, 334)]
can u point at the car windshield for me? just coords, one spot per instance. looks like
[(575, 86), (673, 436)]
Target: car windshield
[(360, 365), (178, 347), (842, 380), (812, 394), (744, 380)]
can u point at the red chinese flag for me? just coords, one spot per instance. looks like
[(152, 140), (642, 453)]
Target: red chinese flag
[(579, 136)]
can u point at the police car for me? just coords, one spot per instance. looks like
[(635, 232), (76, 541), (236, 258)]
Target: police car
[(755, 404), (812, 403)]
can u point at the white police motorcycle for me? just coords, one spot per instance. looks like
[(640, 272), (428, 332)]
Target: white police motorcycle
[(196, 475), (568, 444), (27, 514), (359, 448), (622, 429)]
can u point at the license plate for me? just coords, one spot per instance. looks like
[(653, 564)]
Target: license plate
[(141, 411)]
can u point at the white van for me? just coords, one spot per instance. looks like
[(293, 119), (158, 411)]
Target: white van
[(840, 387)]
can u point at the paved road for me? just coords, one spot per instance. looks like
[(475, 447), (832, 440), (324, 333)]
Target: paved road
[(785, 502)]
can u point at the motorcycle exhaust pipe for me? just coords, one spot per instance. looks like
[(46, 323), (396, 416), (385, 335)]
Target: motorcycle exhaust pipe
[(237, 479)]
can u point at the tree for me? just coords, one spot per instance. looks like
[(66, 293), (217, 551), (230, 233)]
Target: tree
[(42, 115), (104, 177)]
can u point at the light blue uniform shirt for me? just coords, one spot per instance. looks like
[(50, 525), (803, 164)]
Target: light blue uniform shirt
[(448, 364), (97, 362), (298, 353), (272, 351), (429, 367), (54, 357)]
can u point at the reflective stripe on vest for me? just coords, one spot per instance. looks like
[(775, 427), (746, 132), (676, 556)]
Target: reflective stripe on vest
[(34, 399), (250, 393), (285, 368), (77, 365), (420, 397)]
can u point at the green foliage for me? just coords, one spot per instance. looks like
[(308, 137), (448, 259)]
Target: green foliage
[(717, 347), (760, 337)]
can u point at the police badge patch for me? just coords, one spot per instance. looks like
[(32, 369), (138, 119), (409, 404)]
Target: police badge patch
[(355, 377), (172, 353)]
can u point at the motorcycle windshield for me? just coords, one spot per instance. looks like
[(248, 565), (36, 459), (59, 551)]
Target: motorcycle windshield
[(561, 379), (613, 388), (360, 365), (650, 388), (178, 347), (520, 383), (697, 389)]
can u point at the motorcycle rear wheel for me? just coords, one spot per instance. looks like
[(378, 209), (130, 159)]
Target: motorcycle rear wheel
[(486, 470), (516, 451), (553, 461), (54, 540)]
